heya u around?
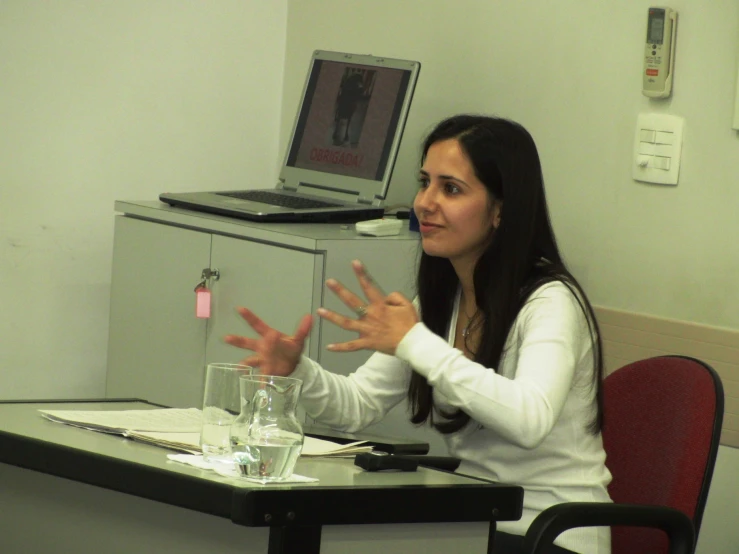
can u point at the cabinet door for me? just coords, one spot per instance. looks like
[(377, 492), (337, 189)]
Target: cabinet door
[(392, 264), (278, 284), (156, 345)]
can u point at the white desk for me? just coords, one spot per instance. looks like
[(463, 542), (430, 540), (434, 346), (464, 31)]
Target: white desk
[(69, 490)]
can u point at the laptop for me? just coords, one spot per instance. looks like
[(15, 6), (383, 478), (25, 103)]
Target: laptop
[(341, 154)]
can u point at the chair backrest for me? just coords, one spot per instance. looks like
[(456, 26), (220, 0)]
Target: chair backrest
[(663, 421)]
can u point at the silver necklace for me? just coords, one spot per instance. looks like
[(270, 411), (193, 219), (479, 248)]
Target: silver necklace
[(466, 329)]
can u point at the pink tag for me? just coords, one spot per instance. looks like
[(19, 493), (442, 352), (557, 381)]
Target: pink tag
[(202, 303)]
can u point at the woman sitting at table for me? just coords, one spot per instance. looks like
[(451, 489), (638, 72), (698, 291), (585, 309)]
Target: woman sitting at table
[(500, 352)]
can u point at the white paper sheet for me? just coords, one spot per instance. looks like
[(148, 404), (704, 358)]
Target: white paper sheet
[(165, 419)]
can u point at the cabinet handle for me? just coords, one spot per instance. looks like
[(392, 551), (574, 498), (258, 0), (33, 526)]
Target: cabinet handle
[(205, 276), (209, 273)]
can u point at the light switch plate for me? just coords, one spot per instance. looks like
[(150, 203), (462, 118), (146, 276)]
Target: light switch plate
[(657, 148)]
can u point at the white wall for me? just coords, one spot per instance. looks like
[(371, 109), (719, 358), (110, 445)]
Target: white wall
[(111, 100), (570, 71)]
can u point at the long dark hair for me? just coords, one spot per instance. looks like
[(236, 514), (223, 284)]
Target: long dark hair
[(521, 257)]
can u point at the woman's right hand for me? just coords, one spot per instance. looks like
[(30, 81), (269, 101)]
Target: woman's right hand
[(275, 353)]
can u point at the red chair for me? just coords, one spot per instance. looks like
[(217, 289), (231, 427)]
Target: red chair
[(663, 421)]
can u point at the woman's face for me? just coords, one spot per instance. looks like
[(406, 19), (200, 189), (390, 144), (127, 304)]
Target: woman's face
[(455, 212)]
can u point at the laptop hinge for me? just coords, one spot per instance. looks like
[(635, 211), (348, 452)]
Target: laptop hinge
[(329, 193), (282, 185)]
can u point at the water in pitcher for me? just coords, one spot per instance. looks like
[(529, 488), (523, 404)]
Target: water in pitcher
[(269, 458)]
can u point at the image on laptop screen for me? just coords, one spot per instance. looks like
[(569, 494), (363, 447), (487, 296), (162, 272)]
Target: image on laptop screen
[(349, 126)]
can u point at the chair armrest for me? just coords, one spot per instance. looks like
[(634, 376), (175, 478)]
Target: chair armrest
[(559, 518)]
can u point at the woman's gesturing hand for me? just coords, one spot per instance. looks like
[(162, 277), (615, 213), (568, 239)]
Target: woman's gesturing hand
[(382, 321), (275, 353)]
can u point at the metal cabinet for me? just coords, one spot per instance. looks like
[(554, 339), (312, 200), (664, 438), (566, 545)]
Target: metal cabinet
[(158, 348)]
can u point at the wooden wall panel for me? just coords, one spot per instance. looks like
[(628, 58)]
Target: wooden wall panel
[(628, 337)]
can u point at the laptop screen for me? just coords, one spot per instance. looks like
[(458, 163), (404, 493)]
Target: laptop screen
[(350, 122)]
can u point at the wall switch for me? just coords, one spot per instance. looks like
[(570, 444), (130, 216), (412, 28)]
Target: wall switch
[(657, 148)]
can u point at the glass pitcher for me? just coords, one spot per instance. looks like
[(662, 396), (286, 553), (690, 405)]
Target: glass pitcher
[(266, 438)]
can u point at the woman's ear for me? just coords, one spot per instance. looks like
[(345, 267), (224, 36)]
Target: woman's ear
[(497, 211)]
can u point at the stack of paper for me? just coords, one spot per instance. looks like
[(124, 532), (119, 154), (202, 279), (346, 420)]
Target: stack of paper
[(170, 420), (177, 429), (183, 442), (190, 442), (313, 448)]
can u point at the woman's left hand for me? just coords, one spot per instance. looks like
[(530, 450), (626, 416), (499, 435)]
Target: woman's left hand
[(382, 321)]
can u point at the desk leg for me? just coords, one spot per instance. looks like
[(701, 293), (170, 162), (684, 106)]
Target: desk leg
[(491, 537), (295, 539)]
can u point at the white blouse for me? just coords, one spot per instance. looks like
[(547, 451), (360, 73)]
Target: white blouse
[(529, 418)]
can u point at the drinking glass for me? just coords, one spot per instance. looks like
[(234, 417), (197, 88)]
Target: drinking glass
[(220, 407)]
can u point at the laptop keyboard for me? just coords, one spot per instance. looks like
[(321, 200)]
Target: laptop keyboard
[(277, 199)]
